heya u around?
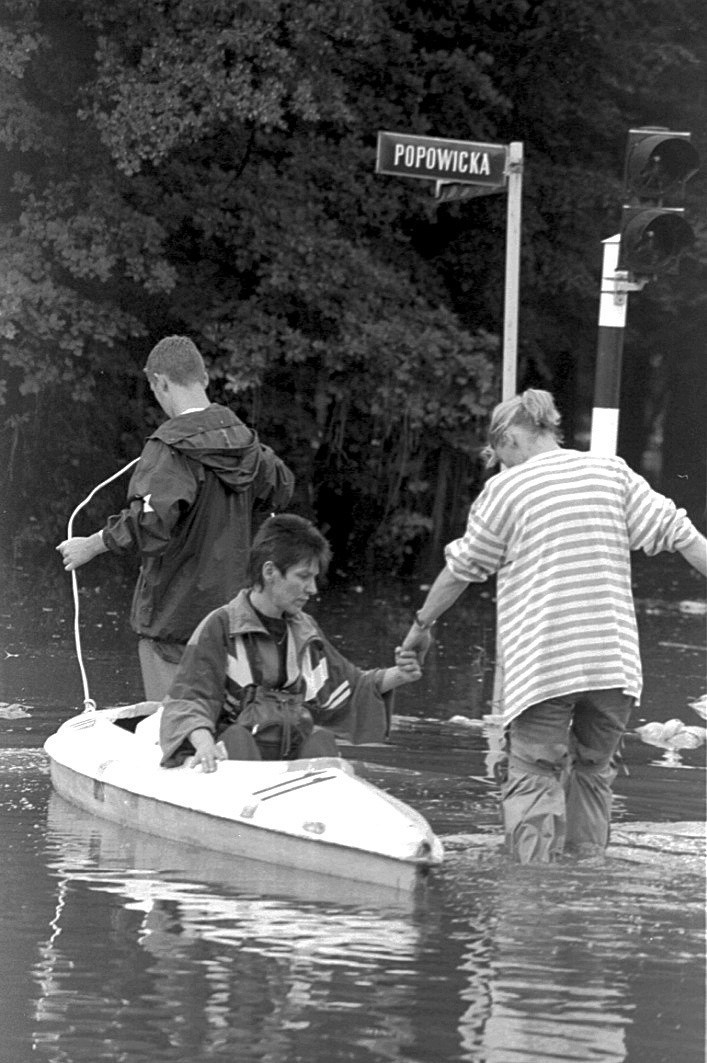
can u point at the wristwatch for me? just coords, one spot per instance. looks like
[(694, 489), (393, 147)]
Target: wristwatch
[(424, 625)]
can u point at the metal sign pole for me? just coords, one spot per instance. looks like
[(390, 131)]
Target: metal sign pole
[(513, 230), (510, 333), (463, 170)]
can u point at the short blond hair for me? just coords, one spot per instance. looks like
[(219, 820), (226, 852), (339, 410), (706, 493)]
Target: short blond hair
[(534, 410)]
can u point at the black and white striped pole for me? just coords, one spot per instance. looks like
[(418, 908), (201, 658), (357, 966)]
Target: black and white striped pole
[(613, 301), (653, 235)]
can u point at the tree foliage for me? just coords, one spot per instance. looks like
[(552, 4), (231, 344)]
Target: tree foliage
[(175, 166)]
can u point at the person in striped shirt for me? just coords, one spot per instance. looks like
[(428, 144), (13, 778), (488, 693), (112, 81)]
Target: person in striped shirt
[(558, 526)]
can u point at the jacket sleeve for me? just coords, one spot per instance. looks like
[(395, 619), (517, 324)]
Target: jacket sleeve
[(162, 487), (197, 694), (276, 482), (347, 699)]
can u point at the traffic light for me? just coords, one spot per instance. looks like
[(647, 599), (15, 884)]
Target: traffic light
[(654, 232), (652, 239)]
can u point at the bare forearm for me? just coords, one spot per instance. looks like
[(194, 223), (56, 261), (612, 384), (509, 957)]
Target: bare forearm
[(442, 594), (398, 676), (696, 554)]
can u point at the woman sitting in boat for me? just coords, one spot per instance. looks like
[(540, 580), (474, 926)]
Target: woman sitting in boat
[(259, 680)]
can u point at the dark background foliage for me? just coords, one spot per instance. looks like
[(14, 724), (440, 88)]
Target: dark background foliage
[(173, 166)]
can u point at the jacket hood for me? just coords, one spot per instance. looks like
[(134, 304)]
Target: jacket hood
[(217, 439)]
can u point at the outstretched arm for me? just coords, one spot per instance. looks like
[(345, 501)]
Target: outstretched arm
[(444, 592)]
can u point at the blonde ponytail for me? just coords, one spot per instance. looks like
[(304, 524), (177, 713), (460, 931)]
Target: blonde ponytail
[(534, 410), (539, 407)]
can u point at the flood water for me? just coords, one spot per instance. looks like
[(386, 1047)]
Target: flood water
[(118, 946)]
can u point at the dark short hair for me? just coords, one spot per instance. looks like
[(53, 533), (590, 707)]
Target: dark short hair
[(178, 358), (286, 539)]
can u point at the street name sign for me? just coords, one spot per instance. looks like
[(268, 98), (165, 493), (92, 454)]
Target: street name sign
[(437, 159)]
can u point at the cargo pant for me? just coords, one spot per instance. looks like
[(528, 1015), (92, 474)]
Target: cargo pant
[(557, 798), (158, 671)]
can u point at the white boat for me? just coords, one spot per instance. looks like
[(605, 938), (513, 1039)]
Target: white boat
[(311, 815), (109, 857)]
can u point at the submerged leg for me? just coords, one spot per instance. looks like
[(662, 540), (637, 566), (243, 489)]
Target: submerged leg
[(599, 722), (534, 810), (589, 800), (533, 814)]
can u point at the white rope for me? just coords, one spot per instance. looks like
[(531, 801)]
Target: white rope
[(88, 702)]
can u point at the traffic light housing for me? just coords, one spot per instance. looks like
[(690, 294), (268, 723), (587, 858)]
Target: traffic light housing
[(654, 232), (652, 239)]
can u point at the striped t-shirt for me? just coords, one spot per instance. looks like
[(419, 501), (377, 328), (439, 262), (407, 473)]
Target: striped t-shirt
[(558, 529)]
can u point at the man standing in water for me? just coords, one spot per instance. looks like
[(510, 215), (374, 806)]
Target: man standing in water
[(189, 512), (558, 527)]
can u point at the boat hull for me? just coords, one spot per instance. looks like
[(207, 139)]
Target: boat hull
[(313, 815)]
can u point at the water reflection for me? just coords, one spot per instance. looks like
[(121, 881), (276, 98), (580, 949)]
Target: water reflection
[(109, 951), (223, 962), (158, 951), (554, 995), (560, 973)]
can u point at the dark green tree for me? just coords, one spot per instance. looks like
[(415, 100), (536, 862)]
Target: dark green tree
[(180, 167)]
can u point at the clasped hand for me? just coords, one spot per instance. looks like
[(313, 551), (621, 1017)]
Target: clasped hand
[(408, 665), (417, 642)]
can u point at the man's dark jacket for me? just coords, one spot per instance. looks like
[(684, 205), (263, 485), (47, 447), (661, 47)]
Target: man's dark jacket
[(189, 514)]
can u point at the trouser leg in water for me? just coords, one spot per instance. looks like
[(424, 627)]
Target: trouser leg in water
[(558, 794)]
